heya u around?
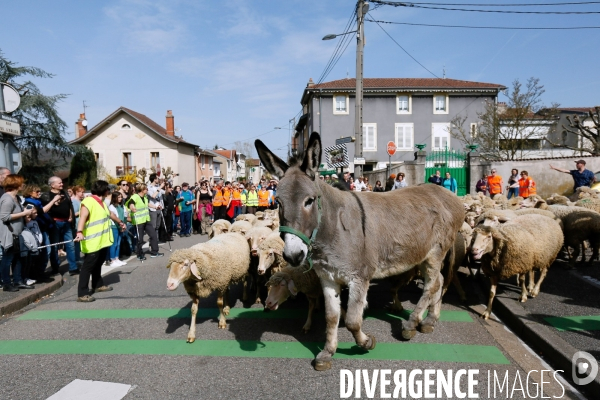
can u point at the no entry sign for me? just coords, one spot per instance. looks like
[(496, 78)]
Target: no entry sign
[(391, 148)]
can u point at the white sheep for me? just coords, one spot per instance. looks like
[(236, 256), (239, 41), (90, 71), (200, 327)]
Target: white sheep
[(518, 246), (218, 227), (578, 227), (246, 217), (255, 237), (270, 254), (208, 267), (289, 282), (240, 227)]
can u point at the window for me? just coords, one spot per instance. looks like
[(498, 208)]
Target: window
[(403, 104), (473, 130), (440, 104), (340, 104), (127, 161), (154, 159), (369, 137), (440, 134), (126, 127), (404, 136), (99, 159)]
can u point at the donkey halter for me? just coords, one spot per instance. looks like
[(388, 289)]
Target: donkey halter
[(307, 241)]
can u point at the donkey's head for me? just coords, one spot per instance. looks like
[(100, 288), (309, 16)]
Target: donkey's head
[(298, 196)]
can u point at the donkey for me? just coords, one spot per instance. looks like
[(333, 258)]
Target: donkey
[(356, 237)]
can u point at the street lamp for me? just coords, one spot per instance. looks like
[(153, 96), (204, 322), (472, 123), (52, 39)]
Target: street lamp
[(289, 138), (362, 9)]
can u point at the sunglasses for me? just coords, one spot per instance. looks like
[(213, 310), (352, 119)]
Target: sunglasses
[(125, 184)]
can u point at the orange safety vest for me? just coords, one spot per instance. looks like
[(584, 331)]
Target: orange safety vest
[(236, 195), (527, 187), (218, 200), (495, 184), (263, 198)]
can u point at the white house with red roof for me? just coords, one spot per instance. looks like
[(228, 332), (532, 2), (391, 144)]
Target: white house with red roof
[(126, 140)]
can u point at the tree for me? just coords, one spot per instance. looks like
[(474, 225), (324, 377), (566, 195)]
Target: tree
[(42, 141), (587, 129), (246, 148), (509, 131), (83, 168)]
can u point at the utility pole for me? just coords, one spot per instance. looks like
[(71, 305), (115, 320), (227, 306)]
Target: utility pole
[(363, 8)]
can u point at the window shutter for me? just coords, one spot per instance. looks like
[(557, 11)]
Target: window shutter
[(131, 160), (101, 159), (408, 134)]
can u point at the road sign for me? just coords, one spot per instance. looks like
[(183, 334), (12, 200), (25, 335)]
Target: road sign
[(342, 140), (391, 148), (10, 98), (359, 161), (10, 128)]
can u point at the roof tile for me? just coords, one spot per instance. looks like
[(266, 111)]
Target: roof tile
[(387, 83)]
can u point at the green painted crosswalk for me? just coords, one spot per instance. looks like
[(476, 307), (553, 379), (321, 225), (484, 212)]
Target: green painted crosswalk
[(433, 352), (576, 323), (205, 313)]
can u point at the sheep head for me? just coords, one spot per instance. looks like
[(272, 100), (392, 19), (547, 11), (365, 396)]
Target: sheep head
[(255, 237), (483, 241), (180, 271), (280, 289)]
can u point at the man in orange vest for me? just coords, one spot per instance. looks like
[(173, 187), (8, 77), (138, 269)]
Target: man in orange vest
[(526, 185), (218, 203), (263, 199), (495, 184)]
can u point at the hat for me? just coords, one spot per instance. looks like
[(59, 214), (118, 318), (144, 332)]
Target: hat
[(185, 184), (580, 162), (393, 176), (334, 176)]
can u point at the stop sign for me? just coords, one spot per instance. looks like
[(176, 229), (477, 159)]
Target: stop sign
[(391, 148)]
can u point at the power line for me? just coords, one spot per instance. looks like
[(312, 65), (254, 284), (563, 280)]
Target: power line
[(488, 4), (414, 5), (488, 27)]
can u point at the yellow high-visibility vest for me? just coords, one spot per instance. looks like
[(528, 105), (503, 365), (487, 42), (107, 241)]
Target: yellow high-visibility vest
[(141, 213), (252, 200), (97, 232)]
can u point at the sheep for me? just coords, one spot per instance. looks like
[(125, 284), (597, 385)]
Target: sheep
[(501, 216), (289, 282), (246, 217), (514, 203), (266, 223), (218, 227), (255, 237), (241, 227), (589, 203), (259, 215), (208, 267), (583, 192), (270, 254), (470, 218), (558, 199), (546, 213), (578, 227), (520, 245)]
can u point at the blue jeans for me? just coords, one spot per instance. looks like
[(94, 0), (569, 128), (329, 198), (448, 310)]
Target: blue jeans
[(8, 260), (62, 232), (186, 222), (116, 246), (513, 192), (175, 222), (131, 236), (237, 211)]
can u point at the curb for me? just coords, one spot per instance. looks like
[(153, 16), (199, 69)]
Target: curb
[(29, 296), (554, 349)]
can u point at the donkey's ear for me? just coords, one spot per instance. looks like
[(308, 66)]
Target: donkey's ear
[(272, 163), (312, 155)]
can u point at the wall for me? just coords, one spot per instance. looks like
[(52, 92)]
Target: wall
[(414, 171), (381, 109)]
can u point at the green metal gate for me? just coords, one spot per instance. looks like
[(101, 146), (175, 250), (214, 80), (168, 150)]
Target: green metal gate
[(449, 160)]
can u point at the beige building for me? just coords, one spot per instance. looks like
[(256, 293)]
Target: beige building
[(127, 140)]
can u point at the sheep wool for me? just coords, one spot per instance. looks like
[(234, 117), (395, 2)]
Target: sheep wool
[(220, 262), (274, 243), (305, 280)]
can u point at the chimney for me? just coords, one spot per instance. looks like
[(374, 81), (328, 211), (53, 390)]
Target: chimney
[(310, 83), (80, 126), (502, 107), (170, 123)]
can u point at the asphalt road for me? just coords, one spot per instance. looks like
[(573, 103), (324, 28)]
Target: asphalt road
[(136, 335)]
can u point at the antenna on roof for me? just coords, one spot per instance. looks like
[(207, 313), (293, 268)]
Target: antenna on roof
[(347, 74), (85, 106), (444, 72)]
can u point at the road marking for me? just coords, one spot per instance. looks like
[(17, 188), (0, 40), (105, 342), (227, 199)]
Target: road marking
[(92, 390), (576, 323), (432, 352), (207, 313)]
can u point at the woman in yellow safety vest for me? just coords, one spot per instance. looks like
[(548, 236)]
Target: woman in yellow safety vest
[(95, 234), (252, 200), (140, 217), (244, 199)]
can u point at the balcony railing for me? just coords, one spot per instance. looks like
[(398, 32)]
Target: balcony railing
[(124, 170)]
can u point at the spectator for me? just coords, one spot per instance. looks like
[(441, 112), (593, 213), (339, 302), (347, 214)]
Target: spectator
[(12, 214), (334, 179), (378, 187), (366, 181), (327, 179), (352, 185), (4, 172), (526, 185), (140, 217), (218, 202), (252, 200), (170, 205), (360, 185), (436, 178), (581, 176), (64, 223), (35, 264), (177, 212), (156, 203), (481, 185), (71, 192), (236, 201), (124, 189), (400, 182), (495, 183), (187, 201), (263, 199), (449, 183), (513, 183), (389, 184), (117, 212), (347, 181), (78, 193), (95, 235), (204, 199), (244, 199)]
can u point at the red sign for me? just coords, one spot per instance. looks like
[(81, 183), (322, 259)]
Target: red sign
[(391, 148)]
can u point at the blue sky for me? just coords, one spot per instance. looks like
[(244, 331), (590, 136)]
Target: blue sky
[(234, 70)]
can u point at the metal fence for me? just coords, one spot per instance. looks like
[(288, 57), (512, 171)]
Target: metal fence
[(452, 161)]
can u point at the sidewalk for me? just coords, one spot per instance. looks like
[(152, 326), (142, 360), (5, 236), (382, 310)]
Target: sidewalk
[(14, 301)]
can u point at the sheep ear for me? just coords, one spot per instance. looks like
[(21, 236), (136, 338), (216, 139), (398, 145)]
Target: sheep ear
[(277, 251), (292, 288), (194, 271)]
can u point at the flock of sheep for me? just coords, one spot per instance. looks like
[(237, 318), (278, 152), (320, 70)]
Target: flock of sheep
[(504, 237)]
